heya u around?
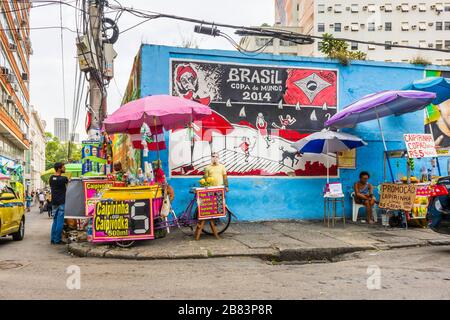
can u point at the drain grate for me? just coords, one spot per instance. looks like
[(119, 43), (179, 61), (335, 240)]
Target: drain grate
[(8, 264)]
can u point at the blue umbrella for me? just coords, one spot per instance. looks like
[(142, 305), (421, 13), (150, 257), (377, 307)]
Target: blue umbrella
[(327, 141), (438, 85)]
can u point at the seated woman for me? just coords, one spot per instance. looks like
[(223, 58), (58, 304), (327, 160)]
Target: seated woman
[(364, 194)]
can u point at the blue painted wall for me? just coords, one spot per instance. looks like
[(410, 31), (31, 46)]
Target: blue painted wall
[(297, 198)]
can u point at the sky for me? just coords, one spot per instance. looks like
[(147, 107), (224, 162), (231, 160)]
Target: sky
[(46, 71)]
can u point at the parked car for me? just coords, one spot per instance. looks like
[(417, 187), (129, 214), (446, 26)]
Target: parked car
[(12, 214), (438, 215)]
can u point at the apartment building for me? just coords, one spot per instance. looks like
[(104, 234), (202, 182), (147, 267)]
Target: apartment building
[(418, 23), (15, 50)]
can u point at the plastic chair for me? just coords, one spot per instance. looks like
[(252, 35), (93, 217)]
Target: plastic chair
[(357, 206)]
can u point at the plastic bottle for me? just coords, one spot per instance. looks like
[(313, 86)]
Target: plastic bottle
[(89, 231)]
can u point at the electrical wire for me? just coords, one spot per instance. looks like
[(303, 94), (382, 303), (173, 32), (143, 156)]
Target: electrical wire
[(273, 32), (62, 60)]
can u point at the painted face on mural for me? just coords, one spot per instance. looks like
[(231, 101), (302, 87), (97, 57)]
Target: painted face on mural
[(186, 79), (444, 121)]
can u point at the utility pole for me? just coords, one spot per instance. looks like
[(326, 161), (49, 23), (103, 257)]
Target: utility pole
[(96, 58), (97, 94)]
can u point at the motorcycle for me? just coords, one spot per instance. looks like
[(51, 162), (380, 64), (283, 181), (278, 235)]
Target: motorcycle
[(438, 215)]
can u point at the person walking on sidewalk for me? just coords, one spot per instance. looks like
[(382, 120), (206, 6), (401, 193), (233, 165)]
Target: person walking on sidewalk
[(58, 186), (41, 197), (217, 171), (28, 199)]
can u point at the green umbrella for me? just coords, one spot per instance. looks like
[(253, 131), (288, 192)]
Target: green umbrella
[(72, 170)]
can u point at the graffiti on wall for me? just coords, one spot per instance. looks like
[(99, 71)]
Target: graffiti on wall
[(437, 120), (258, 112)]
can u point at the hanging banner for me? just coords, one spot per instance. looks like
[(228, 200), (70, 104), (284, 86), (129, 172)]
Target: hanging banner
[(420, 146), (397, 196), (258, 112), (211, 202), (93, 190), (122, 220)]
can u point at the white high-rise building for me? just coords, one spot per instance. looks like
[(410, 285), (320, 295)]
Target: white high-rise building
[(418, 23), (35, 157), (61, 127)]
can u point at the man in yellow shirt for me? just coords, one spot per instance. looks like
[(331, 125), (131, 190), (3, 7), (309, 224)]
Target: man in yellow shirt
[(217, 171)]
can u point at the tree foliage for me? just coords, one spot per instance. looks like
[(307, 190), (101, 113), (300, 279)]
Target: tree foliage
[(55, 151), (338, 49)]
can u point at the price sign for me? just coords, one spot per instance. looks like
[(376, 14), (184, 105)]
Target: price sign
[(420, 145), (93, 190), (397, 196), (122, 220), (211, 203)]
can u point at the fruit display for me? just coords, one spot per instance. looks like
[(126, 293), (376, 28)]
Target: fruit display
[(208, 182), (412, 179)]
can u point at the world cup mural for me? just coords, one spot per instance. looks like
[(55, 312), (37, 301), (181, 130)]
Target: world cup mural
[(258, 112)]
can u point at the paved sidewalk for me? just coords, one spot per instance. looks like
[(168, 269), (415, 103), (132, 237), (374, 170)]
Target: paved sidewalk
[(275, 240)]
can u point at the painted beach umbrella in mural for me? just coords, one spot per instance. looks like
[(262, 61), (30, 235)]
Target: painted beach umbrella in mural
[(378, 105), (327, 141), (439, 85)]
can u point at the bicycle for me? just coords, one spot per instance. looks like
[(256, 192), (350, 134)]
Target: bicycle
[(186, 221)]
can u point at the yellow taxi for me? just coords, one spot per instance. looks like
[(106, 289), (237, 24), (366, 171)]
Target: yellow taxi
[(12, 213)]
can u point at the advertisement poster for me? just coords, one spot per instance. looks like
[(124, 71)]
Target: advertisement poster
[(93, 190), (437, 117), (420, 146), (122, 220), (397, 196), (211, 203), (347, 159), (258, 112)]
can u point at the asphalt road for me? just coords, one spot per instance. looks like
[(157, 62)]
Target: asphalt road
[(33, 269)]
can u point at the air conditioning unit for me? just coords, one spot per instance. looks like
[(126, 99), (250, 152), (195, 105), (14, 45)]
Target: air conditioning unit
[(430, 24), (399, 7), (25, 76), (4, 71), (430, 45), (15, 87), (347, 8), (346, 27), (414, 7), (330, 8), (433, 7), (331, 25), (362, 25), (395, 42), (10, 78), (365, 8), (414, 27), (382, 8), (380, 27), (13, 47)]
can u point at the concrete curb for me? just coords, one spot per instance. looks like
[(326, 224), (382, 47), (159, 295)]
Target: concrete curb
[(277, 254)]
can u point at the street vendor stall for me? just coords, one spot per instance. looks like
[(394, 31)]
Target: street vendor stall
[(125, 211)]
